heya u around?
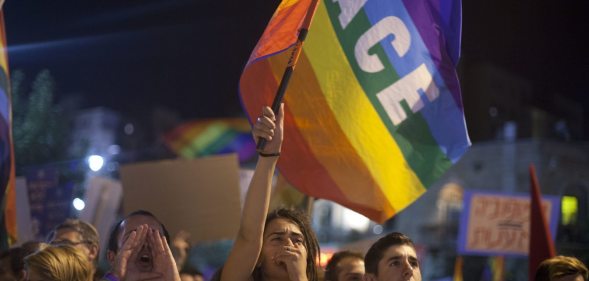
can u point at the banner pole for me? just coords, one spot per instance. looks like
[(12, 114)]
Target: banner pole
[(294, 57)]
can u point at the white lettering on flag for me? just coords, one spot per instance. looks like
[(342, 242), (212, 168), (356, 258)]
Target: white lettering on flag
[(387, 26), (349, 9), (407, 88)]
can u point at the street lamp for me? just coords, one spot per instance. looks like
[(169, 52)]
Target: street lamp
[(95, 162), (79, 204)]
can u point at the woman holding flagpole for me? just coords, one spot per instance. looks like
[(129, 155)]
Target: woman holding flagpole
[(276, 247)]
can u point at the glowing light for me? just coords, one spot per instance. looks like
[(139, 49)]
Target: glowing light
[(129, 129), (95, 162), (377, 229), (323, 258), (355, 221), (79, 204), (569, 208), (114, 149)]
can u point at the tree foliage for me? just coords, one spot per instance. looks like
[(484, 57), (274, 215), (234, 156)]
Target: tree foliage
[(41, 127)]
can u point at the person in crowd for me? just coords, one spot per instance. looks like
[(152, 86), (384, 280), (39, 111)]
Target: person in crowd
[(181, 250), (345, 266), (79, 234), (10, 268), (138, 250), (392, 257), (181, 247), (191, 274), (562, 268), (279, 246), (59, 262), (12, 260)]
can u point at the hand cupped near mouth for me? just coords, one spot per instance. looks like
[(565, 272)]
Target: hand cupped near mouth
[(144, 260)]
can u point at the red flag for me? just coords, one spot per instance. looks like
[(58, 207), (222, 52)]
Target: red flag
[(541, 243)]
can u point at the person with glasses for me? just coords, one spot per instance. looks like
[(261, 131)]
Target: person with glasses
[(81, 235)]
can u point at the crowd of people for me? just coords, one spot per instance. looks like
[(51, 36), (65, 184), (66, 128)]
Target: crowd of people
[(271, 245)]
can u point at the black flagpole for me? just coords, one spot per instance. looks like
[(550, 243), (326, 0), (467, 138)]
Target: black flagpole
[(294, 57)]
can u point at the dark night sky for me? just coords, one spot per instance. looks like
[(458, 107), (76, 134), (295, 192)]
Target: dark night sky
[(132, 55), (187, 55), (537, 40)]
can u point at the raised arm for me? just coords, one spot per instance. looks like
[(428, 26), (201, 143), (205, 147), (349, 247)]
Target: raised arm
[(243, 257)]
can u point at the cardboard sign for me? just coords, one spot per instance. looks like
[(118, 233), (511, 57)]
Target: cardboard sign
[(200, 196), (103, 197), (499, 224)]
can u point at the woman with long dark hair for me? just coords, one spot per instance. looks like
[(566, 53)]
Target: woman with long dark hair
[(276, 247)]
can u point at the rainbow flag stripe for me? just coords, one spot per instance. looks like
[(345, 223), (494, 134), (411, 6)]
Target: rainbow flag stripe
[(458, 265), (212, 136), (495, 270), (373, 109), (7, 176)]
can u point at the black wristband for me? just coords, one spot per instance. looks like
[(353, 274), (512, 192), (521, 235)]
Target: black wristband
[(269, 154)]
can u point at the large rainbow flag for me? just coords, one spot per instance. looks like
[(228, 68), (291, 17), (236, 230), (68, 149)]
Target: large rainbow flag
[(7, 184), (373, 110)]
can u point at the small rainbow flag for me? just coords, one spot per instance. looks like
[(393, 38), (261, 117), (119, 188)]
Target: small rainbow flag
[(373, 111), (458, 264), (212, 136), (495, 269), (7, 178)]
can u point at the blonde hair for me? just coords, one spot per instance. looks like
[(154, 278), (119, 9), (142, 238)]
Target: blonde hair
[(61, 262), (560, 266)]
